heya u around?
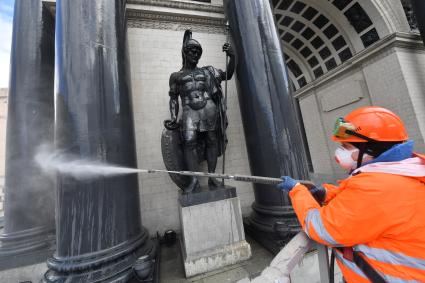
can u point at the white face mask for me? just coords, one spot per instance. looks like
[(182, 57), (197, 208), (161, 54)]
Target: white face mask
[(344, 157)]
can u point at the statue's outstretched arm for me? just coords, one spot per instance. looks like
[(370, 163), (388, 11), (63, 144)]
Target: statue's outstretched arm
[(232, 61)]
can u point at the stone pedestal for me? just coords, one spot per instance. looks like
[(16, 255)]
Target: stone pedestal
[(212, 230)]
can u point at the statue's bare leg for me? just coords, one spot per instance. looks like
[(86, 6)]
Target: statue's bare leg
[(191, 158), (212, 154)]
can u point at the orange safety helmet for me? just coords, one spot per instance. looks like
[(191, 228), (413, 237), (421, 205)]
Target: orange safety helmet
[(370, 123)]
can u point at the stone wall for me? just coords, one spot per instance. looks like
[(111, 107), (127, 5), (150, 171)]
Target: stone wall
[(387, 75), (412, 63), (154, 55)]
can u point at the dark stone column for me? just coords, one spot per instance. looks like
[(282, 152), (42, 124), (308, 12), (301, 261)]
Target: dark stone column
[(29, 196), (98, 228), (269, 117), (419, 10)]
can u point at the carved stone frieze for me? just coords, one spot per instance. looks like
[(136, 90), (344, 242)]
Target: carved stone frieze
[(174, 19), (180, 5), (177, 26)]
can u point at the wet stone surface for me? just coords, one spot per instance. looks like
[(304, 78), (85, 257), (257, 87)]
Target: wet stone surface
[(172, 270)]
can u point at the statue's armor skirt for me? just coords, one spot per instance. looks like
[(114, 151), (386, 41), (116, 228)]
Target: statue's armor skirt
[(201, 120)]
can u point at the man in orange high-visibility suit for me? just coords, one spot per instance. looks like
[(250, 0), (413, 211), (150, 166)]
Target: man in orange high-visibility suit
[(374, 219)]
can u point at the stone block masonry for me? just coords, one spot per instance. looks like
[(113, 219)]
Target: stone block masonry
[(389, 74)]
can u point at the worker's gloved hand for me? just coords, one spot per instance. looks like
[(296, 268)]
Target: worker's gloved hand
[(319, 193), (288, 184)]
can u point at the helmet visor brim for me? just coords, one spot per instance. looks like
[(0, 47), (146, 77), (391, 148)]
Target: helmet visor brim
[(345, 130)]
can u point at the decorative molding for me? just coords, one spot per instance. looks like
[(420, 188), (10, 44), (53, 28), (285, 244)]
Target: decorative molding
[(167, 25), (174, 18), (144, 15), (196, 6), (409, 41), (173, 15), (392, 14)]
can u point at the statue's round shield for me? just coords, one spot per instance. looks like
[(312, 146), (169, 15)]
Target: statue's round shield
[(172, 154)]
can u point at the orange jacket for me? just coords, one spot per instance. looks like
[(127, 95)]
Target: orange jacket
[(380, 212)]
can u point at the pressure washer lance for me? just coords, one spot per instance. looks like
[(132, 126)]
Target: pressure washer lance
[(242, 178)]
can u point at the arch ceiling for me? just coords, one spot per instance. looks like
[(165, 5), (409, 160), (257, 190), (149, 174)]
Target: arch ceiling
[(319, 35)]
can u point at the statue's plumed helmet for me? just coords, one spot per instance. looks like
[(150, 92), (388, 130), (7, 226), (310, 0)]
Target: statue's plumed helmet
[(193, 43), (189, 42)]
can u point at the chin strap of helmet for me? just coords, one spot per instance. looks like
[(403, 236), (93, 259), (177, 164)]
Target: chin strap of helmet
[(373, 149), (362, 150)]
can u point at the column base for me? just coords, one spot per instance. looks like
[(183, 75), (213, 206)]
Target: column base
[(26, 247), (111, 266), (272, 227)]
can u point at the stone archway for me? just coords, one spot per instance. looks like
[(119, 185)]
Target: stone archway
[(317, 36)]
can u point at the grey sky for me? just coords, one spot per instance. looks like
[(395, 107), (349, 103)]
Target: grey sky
[(6, 18)]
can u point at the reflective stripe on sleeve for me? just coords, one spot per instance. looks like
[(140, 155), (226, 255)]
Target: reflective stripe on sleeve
[(354, 268), (349, 264), (392, 279), (313, 219), (391, 257)]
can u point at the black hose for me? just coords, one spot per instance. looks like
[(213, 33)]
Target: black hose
[(332, 267)]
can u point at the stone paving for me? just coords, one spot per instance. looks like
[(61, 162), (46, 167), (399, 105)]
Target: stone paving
[(172, 267), (172, 271)]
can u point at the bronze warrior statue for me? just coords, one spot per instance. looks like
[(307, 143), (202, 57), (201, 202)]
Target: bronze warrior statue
[(201, 129)]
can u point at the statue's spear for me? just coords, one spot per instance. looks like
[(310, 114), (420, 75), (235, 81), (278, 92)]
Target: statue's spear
[(225, 105), (317, 192), (227, 61), (241, 178)]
